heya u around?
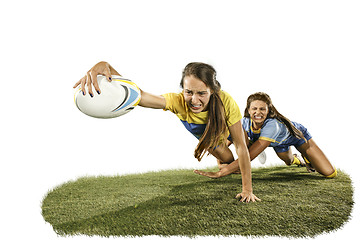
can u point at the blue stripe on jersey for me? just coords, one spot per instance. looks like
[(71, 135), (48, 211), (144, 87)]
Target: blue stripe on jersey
[(196, 129)]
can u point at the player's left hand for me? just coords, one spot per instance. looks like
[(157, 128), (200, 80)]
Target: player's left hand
[(208, 174), (90, 79), (247, 196)]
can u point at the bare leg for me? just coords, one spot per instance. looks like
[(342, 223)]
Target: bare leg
[(317, 158), (223, 155), (225, 160), (287, 157)]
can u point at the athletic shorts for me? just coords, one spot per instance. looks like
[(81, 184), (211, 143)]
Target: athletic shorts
[(293, 141)]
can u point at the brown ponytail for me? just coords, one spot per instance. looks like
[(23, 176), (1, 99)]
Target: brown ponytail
[(216, 125), (215, 128)]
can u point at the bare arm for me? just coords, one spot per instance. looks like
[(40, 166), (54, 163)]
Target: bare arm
[(237, 134), (152, 101), (257, 147)]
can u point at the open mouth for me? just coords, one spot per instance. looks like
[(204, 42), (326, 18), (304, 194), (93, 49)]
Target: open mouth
[(258, 117), (195, 107)]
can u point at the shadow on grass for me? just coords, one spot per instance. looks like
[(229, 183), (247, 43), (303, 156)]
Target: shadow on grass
[(208, 207)]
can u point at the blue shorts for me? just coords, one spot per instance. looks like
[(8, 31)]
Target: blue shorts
[(293, 141)]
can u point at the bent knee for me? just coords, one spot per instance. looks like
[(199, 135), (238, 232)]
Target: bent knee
[(334, 174)]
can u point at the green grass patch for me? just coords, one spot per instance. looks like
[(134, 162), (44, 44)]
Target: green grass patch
[(178, 202)]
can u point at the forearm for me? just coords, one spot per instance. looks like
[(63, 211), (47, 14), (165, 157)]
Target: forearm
[(229, 169), (254, 151), (256, 148), (245, 168), (152, 101)]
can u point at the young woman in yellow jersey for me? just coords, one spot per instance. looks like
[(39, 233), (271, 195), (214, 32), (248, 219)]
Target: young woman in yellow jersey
[(264, 126), (209, 113)]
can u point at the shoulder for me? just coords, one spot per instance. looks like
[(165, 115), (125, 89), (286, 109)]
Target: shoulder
[(245, 121), (272, 126), (271, 122), (174, 101), (226, 97), (270, 130), (232, 110), (228, 101), (173, 96)]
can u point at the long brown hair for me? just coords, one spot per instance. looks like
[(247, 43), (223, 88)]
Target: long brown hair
[(216, 125), (273, 113)]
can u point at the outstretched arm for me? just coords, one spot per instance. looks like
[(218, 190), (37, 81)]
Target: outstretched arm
[(152, 101)]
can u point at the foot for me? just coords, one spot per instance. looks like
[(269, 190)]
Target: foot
[(298, 161), (308, 165)]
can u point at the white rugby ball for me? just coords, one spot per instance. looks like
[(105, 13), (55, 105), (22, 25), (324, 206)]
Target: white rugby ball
[(117, 98)]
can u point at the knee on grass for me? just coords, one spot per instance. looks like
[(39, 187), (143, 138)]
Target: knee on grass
[(334, 174)]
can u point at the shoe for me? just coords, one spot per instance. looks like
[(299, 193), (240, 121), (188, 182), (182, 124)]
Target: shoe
[(298, 161)]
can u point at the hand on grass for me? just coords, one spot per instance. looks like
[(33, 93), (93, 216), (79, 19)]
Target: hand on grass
[(208, 174), (246, 196), (101, 68)]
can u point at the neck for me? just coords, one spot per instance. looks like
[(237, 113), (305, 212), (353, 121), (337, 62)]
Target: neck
[(257, 126)]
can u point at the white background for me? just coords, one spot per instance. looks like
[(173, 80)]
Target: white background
[(305, 54)]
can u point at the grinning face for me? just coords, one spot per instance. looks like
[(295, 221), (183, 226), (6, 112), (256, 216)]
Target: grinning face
[(258, 112), (196, 93)]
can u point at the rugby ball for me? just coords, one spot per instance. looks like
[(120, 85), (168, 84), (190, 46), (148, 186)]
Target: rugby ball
[(117, 98)]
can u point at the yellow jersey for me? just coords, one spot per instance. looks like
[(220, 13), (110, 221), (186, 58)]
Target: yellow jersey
[(196, 122)]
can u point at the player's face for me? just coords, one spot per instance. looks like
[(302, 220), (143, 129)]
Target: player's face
[(196, 93), (258, 111)]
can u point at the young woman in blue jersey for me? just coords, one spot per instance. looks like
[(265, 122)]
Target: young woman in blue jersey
[(209, 113), (265, 126)]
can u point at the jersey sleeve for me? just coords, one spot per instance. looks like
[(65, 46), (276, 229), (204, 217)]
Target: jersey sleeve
[(232, 111), (174, 102), (270, 131), (246, 124)]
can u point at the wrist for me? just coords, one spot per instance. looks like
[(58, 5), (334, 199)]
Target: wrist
[(219, 174), (250, 190)]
